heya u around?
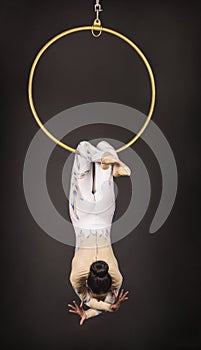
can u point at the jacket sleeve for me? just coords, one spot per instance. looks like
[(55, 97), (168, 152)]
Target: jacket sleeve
[(92, 313), (97, 307), (117, 278)]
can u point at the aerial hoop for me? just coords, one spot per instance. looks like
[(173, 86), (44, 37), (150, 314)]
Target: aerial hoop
[(96, 27)]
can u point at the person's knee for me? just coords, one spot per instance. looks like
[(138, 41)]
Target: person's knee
[(82, 146), (104, 145), (82, 143)]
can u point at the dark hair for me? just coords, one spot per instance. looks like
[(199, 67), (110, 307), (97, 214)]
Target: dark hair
[(99, 280)]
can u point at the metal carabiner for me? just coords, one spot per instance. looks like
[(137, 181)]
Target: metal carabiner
[(97, 22), (97, 9)]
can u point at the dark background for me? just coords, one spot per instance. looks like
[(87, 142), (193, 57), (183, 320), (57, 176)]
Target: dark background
[(161, 271)]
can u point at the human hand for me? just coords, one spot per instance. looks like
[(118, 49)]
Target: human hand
[(77, 309), (119, 299)]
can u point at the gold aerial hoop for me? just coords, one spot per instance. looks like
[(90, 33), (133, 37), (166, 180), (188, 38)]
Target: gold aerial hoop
[(96, 27)]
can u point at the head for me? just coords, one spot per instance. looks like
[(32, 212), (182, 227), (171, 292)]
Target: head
[(99, 280)]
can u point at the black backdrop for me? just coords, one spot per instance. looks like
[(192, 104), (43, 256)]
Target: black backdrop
[(162, 272)]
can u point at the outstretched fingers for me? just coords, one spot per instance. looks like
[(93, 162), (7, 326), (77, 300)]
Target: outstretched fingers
[(124, 296), (71, 306), (122, 291), (115, 293), (72, 309)]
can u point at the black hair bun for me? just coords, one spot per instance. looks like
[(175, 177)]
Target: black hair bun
[(99, 268)]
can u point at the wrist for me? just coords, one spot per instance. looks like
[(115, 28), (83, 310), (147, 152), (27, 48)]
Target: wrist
[(111, 308), (86, 315), (114, 307)]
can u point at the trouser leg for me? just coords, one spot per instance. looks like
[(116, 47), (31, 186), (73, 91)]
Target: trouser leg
[(90, 211)]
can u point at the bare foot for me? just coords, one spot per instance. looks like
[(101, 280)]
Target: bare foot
[(121, 170)]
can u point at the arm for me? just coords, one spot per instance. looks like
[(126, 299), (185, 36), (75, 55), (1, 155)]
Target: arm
[(84, 314), (99, 305), (96, 307), (92, 313)]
